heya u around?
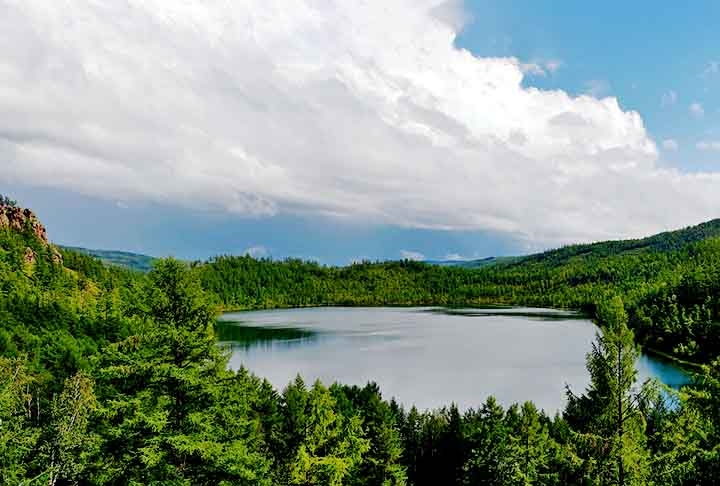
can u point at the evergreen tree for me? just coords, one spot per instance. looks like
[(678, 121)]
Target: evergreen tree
[(166, 421), (381, 464), (331, 444), (609, 414)]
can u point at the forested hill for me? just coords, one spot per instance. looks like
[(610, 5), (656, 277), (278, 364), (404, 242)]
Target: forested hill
[(114, 377), (670, 284), (667, 241), (133, 261)]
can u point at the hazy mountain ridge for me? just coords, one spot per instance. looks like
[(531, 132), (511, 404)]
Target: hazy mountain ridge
[(479, 263), (134, 261), (665, 241)]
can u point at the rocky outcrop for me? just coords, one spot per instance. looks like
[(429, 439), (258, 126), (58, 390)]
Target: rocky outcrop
[(20, 219)]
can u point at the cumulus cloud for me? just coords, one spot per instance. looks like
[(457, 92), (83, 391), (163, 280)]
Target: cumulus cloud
[(365, 111), (540, 68), (411, 255), (696, 110), (670, 144)]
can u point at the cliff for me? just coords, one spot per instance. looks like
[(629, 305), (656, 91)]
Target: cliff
[(19, 219)]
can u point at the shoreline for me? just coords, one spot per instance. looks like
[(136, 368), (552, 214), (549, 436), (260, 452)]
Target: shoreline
[(684, 364)]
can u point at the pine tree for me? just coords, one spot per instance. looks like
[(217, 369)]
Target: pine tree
[(331, 444), (169, 391), (609, 415)]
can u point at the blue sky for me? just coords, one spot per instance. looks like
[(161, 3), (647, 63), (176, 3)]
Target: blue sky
[(639, 51), (343, 132)]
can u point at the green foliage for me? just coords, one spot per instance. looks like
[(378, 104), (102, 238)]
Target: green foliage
[(110, 376), (609, 416), (70, 443), (164, 422), (133, 261), (670, 285), (18, 431)]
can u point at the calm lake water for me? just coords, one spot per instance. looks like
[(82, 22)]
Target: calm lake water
[(428, 357)]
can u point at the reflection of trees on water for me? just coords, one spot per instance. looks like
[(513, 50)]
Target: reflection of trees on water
[(239, 336), (506, 311)]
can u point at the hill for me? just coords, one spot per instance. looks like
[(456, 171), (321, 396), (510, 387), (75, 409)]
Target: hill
[(134, 261), (478, 263), (666, 241), (111, 376)]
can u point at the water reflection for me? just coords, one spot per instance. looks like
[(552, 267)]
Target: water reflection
[(507, 311), (242, 336), (427, 356)]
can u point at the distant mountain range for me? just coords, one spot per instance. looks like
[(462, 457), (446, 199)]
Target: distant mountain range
[(667, 241), (479, 263)]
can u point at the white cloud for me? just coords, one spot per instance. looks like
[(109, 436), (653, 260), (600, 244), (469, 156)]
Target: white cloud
[(597, 87), (454, 257), (358, 110), (697, 110), (670, 144), (669, 98), (540, 68), (706, 145), (532, 69), (257, 251), (411, 255)]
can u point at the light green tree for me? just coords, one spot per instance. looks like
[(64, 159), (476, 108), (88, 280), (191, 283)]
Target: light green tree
[(331, 444), (529, 448), (70, 444), (18, 432)]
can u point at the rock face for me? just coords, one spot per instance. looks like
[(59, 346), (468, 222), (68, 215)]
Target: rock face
[(18, 219)]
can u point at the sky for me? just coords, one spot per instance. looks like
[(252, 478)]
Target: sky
[(342, 131)]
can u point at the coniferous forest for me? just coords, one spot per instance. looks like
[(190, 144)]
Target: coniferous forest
[(111, 376)]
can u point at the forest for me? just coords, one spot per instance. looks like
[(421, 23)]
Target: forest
[(669, 284), (112, 376)]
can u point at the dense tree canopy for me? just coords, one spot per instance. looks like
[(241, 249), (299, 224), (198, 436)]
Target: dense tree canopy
[(109, 376)]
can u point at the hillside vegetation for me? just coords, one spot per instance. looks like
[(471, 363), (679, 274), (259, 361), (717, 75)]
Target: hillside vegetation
[(114, 377), (133, 261), (670, 284)]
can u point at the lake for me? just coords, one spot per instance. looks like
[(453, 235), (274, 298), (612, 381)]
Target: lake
[(428, 357)]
